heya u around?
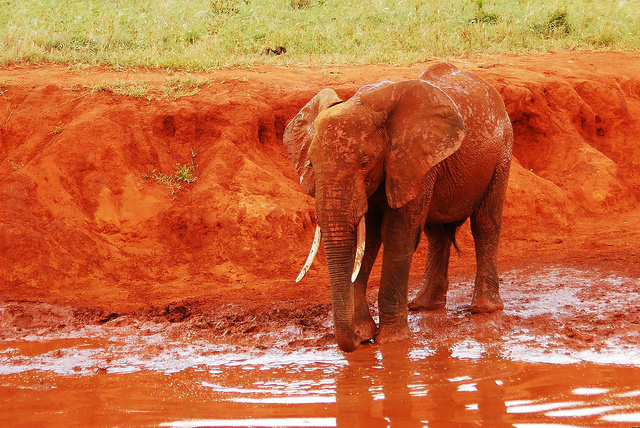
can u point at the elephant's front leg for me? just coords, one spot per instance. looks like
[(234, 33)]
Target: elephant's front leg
[(399, 238), (365, 326)]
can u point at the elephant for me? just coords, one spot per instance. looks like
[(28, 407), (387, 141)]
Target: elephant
[(396, 160)]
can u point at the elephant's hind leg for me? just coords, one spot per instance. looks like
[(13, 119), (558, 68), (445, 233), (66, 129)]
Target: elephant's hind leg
[(432, 293), (486, 293), (486, 223)]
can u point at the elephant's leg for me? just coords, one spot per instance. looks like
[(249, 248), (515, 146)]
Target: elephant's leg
[(486, 223), (432, 293), (365, 326), (486, 294), (399, 237)]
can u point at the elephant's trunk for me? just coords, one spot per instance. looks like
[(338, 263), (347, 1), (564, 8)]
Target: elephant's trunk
[(340, 208), (317, 237), (340, 249)]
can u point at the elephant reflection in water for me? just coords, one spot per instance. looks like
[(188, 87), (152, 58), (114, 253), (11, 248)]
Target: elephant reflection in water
[(392, 162), (372, 391), (386, 387)]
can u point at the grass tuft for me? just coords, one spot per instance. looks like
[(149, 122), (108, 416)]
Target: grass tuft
[(184, 174), (178, 87), (300, 4), (556, 25), (482, 16), (57, 129), (133, 89), (225, 6), (15, 166)]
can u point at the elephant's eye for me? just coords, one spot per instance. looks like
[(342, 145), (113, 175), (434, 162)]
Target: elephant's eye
[(365, 161)]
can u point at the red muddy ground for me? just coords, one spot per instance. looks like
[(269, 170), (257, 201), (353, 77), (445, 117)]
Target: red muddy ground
[(87, 237)]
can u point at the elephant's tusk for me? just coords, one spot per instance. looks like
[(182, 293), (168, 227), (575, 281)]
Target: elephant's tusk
[(317, 237), (362, 237)]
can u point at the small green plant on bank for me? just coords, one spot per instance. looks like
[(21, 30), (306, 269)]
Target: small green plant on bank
[(183, 174), (57, 129), (15, 166)]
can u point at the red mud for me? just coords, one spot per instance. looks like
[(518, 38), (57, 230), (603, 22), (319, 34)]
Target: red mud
[(86, 236)]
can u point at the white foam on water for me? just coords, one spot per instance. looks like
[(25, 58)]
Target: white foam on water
[(622, 417), (544, 425), (468, 387), (585, 411), (538, 408), (629, 394), (590, 391), (459, 378), (468, 348), (306, 399)]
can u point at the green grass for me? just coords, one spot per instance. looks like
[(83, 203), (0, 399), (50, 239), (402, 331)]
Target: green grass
[(135, 89), (174, 88), (14, 165), (185, 86), (204, 34), (183, 174)]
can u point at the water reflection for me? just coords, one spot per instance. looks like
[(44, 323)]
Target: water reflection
[(411, 384), (388, 386), (375, 387)]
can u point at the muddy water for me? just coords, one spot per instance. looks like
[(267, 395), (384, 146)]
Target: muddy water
[(376, 387), (460, 370)]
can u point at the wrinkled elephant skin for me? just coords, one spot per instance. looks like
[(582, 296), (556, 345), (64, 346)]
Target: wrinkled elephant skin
[(415, 156)]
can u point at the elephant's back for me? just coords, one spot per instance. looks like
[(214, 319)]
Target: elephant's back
[(477, 100), (461, 179)]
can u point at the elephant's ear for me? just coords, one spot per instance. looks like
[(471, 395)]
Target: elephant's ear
[(424, 127), (299, 133)]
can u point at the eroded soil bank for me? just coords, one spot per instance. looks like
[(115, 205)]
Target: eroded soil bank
[(89, 235)]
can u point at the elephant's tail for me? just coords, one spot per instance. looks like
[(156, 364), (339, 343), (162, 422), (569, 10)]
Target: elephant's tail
[(450, 229)]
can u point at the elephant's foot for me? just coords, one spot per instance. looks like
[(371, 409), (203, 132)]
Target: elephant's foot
[(486, 295), (483, 304), (424, 302), (394, 333), (432, 295), (366, 329)]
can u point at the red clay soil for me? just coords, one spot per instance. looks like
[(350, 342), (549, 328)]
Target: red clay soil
[(84, 225)]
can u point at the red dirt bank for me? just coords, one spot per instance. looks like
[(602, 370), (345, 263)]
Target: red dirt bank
[(81, 226)]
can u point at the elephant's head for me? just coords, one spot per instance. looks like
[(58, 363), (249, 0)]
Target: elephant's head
[(387, 134)]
